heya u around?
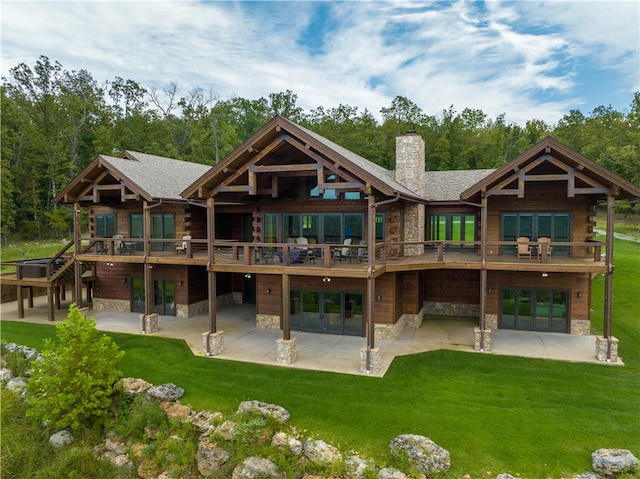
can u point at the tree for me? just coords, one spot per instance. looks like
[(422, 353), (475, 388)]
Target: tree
[(73, 384)]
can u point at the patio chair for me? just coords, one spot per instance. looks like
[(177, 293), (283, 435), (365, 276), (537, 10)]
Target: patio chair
[(185, 243), (344, 253), (524, 249), (363, 254), (120, 246), (541, 240)]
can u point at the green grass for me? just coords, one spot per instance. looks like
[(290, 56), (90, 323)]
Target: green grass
[(532, 418)]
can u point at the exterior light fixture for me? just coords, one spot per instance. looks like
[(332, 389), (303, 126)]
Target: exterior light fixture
[(268, 290), (180, 283), (544, 275), (379, 298), (579, 294), (326, 279), (248, 275)]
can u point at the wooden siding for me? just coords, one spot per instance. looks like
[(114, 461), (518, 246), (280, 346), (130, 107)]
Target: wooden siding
[(452, 286), (411, 294), (544, 197)]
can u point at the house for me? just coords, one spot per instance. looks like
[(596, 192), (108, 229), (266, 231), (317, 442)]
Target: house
[(325, 241)]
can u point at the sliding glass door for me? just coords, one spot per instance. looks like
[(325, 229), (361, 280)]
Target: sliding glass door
[(329, 312), (534, 309)]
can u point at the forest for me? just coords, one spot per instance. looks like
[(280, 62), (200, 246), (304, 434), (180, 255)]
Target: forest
[(55, 121)]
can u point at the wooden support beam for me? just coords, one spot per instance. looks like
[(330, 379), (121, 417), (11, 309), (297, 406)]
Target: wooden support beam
[(286, 308), (51, 312), (20, 300)]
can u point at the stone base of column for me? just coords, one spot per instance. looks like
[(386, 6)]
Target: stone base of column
[(149, 323), (602, 347), (286, 350), (85, 311), (216, 343), (486, 343), (374, 361)]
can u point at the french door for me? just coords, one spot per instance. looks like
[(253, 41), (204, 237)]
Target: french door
[(327, 312), (163, 296), (534, 310)]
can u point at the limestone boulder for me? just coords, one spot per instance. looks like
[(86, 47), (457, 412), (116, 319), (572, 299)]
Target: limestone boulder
[(61, 438), (135, 386), (424, 454), (226, 430), (257, 468), (175, 411), (204, 421), (358, 468), (274, 411), (286, 442), (320, 452), (611, 462), (391, 473), (210, 457), (17, 385), (5, 374), (164, 392)]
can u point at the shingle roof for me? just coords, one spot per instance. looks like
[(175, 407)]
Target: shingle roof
[(159, 176), (448, 185)]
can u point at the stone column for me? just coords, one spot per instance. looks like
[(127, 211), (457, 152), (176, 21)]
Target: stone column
[(410, 173), (477, 332), (216, 342), (149, 323), (602, 347), (375, 360), (286, 350)]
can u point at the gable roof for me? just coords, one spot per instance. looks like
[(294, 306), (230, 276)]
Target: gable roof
[(149, 177), (551, 160), (314, 146)]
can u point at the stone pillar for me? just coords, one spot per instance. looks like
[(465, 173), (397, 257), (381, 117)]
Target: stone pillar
[(374, 359), (216, 343), (286, 350), (477, 332), (149, 323), (602, 346)]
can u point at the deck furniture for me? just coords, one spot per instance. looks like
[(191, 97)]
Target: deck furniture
[(185, 244), (524, 249), (544, 248)]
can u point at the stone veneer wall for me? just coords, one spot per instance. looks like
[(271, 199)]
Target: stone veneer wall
[(267, 321), (580, 326), (106, 304), (453, 309), (491, 321)]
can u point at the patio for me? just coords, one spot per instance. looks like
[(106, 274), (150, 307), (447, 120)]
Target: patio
[(326, 352)]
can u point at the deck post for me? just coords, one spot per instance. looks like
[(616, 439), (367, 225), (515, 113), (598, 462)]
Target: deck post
[(30, 297), (50, 309), (211, 277), (608, 284), (77, 270), (20, 300), (483, 271), (286, 308), (371, 257)]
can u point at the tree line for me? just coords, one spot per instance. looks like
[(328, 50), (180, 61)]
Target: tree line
[(55, 121)]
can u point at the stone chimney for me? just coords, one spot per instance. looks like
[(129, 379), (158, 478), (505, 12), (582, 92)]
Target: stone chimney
[(410, 173), (410, 162)]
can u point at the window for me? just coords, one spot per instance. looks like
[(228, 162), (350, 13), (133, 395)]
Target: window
[(162, 227), (136, 229), (534, 225), (270, 228), (329, 312), (105, 226), (453, 227)]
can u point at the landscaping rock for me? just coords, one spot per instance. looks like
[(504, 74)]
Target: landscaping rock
[(257, 468), (320, 452), (17, 385), (286, 442), (135, 386), (506, 475), (424, 454), (61, 439), (226, 430), (587, 475), (611, 462), (204, 421), (278, 413), (210, 457), (175, 411), (391, 473), (164, 392), (358, 468), (5, 374)]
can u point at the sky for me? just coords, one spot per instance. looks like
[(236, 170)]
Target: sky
[(524, 59)]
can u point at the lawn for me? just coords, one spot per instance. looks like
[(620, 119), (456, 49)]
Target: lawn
[(532, 418)]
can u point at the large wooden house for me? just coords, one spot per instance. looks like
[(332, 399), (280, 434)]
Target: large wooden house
[(325, 241)]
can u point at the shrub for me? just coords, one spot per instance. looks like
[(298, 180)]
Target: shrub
[(73, 384)]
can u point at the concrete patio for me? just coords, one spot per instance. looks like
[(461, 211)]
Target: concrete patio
[(326, 352)]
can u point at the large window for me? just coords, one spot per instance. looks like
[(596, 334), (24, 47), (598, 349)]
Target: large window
[(556, 226), (162, 227), (136, 229), (453, 227), (105, 226), (534, 309)]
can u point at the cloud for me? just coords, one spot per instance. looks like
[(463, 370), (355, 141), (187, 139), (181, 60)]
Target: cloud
[(527, 59)]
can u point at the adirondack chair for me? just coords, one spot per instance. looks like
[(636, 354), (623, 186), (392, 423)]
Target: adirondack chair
[(541, 240), (524, 249), (344, 253), (185, 243)]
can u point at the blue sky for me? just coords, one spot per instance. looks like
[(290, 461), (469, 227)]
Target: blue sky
[(526, 59)]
